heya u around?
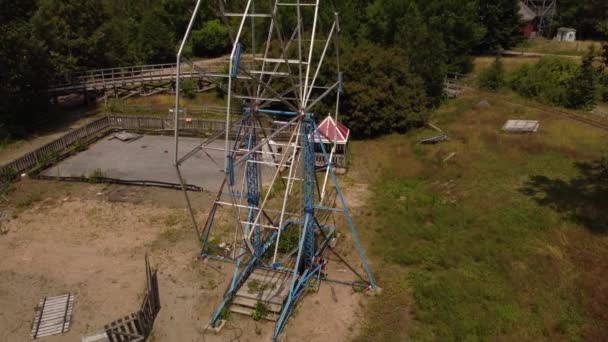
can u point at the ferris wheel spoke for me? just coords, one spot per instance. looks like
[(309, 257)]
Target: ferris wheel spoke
[(314, 79)]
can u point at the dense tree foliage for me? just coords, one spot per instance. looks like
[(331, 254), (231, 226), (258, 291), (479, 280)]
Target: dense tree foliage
[(582, 87), (44, 41), (24, 68), (379, 94), (502, 23), (211, 40), (589, 17)]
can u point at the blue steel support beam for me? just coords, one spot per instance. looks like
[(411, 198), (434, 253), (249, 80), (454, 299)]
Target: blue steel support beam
[(309, 187), (306, 248), (347, 213)]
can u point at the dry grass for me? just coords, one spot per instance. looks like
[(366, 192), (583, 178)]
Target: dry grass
[(553, 47), (503, 242)]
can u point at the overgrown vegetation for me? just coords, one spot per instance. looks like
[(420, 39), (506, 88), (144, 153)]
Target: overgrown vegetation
[(562, 82), (546, 81), (46, 41), (493, 78), (96, 176), (504, 242), (260, 312), (254, 286), (79, 145), (29, 200), (290, 238), (187, 89)]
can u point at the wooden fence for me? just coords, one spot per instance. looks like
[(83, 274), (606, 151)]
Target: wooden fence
[(101, 127), (137, 326), (164, 123), (52, 150)]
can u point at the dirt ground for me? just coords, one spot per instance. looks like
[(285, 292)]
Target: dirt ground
[(91, 240)]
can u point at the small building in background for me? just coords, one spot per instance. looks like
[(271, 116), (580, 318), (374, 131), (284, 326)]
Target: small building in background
[(332, 132), (566, 34)]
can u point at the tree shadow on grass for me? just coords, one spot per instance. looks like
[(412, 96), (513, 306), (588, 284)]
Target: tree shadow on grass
[(583, 199)]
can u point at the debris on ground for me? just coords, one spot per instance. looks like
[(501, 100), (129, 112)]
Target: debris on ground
[(126, 137), (435, 127), (483, 104), (5, 215), (99, 336), (435, 139), (450, 156), (53, 316), (521, 126)]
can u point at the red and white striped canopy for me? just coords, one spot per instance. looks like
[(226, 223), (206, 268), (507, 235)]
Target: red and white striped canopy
[(332, 132)]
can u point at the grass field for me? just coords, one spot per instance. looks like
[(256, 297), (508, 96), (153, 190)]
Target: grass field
[(505, 241), (553, 47)]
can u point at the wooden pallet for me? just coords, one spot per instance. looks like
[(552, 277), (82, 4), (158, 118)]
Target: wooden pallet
[(131, 328), (53, 316), (244, 302)]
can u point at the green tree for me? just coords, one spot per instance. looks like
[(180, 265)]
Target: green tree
[(211, 40), (115, 43), (582, 87), (437, 36), (25, 70), (589, 17), (67, 27), (502, 24), (380, 96), (493, 78), (156, 40)]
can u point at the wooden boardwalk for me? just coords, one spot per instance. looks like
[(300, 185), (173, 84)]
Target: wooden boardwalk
[(141, 79)]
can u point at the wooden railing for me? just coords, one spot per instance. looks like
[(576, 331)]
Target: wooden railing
[(138, 74), (337, 160), (51, 150), (99, 128)]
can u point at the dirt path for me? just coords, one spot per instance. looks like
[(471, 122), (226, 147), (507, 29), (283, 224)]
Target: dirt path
[(91, 240)]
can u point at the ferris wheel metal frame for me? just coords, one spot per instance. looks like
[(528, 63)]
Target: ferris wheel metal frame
[(250, 153)]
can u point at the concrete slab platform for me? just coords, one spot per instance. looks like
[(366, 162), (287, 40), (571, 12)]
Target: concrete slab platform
[(148, 159)]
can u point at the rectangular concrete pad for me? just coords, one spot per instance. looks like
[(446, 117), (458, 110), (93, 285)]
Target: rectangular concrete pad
[(148, 159)]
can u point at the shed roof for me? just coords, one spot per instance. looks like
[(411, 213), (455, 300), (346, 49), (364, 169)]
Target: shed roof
[(330, 132), (566, 29)]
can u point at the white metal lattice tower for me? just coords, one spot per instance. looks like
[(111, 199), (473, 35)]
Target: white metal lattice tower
[(278, 69)]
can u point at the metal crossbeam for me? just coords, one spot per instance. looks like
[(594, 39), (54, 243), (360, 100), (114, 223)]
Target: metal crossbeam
[(280, 82)]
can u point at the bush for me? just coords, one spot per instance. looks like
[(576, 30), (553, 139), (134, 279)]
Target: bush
[(97, 176), (260, 312), (211, 40), (380, 94), (187, 89), (493, 78), (582, 88), (546, 81), (79, 145), (290, 239)]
